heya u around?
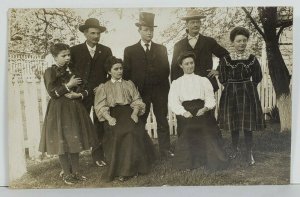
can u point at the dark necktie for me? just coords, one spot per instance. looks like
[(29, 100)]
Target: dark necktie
[(147, 52)]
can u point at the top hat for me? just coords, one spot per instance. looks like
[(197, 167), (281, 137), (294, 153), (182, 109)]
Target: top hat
[(192, 14), (146, 19), (92, 23)]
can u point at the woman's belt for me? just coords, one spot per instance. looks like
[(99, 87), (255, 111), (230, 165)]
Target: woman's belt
[(238, 80)]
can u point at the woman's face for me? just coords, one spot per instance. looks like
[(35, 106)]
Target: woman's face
[(63, 58), (240, 43), (188, 65), (116, 71)]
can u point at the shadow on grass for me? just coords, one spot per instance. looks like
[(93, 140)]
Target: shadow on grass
[(271, 151)]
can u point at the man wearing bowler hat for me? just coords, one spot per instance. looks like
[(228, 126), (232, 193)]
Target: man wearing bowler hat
[(146, 64), (88, 60), (202, 46)]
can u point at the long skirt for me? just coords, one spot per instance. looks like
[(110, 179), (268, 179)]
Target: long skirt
[(67, 128), (199, 143), (127, 147)]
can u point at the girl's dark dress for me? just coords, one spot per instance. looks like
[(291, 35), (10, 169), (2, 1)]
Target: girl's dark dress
[(67, 125), (240, 107)]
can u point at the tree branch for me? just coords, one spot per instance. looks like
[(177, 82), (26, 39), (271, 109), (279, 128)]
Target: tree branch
[(248, 14), (282, 26)]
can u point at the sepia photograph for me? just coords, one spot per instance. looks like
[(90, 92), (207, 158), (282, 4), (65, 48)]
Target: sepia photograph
[(149, 97)]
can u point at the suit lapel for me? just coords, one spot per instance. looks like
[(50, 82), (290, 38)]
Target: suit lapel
[(153, 50), (85, 50), (140, 50), (97, 52), (187, 44), (200, 43)]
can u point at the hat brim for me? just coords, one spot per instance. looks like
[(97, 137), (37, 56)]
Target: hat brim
[(84, 27), (192, 17), (138, 25)]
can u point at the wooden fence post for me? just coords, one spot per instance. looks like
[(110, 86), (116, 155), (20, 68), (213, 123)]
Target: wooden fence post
[(32, 118), (17, 157)]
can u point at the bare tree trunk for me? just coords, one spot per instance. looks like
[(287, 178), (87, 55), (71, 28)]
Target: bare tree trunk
[(284, 105), (277, 68)]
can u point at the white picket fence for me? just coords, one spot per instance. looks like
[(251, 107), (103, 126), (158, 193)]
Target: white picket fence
[(28, 102)]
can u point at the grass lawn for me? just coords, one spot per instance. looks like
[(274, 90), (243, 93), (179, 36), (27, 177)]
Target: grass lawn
[(271, 151)]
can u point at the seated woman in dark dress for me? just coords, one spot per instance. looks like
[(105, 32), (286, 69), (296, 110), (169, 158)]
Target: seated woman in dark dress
[(240, 108), (127, 147), (191, 98)]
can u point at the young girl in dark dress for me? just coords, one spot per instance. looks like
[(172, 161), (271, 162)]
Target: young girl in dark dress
[(240, 108), (67, 128), (127, 147)]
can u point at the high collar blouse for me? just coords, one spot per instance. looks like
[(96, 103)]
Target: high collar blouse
[(187, 88), (114, 93)]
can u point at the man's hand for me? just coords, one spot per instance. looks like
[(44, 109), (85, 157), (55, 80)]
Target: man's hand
[(212, 73)]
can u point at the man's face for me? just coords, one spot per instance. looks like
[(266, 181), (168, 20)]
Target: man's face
[(188, 65), (193, 26), (92, 36), (146, 33)]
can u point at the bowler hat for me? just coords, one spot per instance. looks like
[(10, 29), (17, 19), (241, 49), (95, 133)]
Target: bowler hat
[(192, 14), (146, 19), (91, 23)]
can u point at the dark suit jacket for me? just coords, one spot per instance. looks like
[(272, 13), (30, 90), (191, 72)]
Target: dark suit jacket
[(204, 48), (135, 66), (88, 68)]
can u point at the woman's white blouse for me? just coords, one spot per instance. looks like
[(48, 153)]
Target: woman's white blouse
[(190, 87)]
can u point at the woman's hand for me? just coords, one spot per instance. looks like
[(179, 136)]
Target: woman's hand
[(112, 121), (72, 95), (135, 118), (212, 73), (74, 82), (202, 111), (187, 114)]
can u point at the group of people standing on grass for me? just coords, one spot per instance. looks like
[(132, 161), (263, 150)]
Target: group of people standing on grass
[(120, 92)]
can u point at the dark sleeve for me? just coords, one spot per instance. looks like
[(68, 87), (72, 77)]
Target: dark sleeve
[(84, 89), (54, 89), (218, 50), (109, 52), (126, 71), (175, 69), (165, 63), (256, 72), (222, 71)]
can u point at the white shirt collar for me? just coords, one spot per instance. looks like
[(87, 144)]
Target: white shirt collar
[(144, 46), (195, 37), (91, 48), (189, 75), (114, 81)]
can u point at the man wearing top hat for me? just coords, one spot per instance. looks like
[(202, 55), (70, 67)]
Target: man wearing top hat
[(88, 60), (202, 46), (146, 64)]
